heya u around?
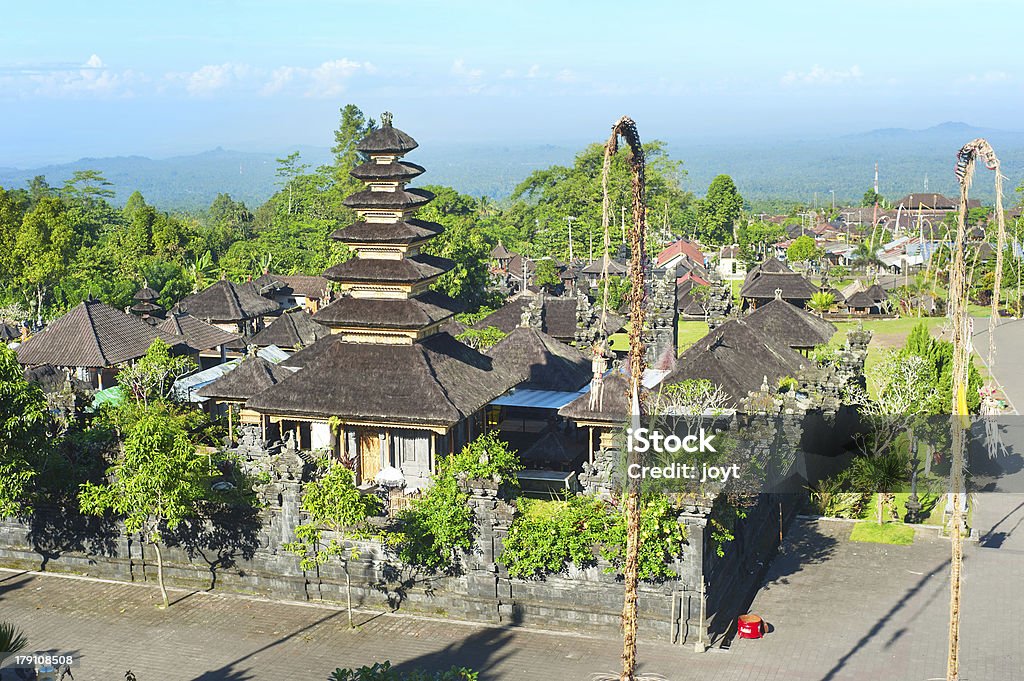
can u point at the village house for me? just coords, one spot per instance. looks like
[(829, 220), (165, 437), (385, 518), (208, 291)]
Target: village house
[(210, 344), (679, 252), (294, 290), (232, 307), (92, 341), (763, 282), (730, 266)]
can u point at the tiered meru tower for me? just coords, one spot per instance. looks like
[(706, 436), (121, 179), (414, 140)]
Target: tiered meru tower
[(386, 296)]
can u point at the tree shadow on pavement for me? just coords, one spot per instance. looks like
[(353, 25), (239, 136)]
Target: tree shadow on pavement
[(481, 651)]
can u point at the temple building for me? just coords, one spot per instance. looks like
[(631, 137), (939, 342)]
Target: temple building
[(229, 306), (387, 389), (146, 307), (211, 345), (291, 331)]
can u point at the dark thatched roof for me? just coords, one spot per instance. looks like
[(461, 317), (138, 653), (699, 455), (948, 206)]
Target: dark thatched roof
[(311, 353), (8, 332), (406, 232), (548, 363), (251, 377), (612, 407), (399, 171), (412, 313), (226, 301), (737, 357), (763, 285), (198, 334), (499, 252), (615, 268), (291, 330), (400, 199), (558, 317), (146, 294), (386, 140), (790, 325), (770, 266), (686, 303), (405, 271), (438, 381), (93, 335)]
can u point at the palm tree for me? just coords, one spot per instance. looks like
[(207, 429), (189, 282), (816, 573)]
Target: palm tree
[(821, 302), (883, 474), (12, 640), (865, 256)]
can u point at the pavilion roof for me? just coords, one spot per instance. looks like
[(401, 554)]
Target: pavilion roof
[(198, 334), (549, 364), (404, 232), (410, 313), (92, 334), (291, 330), (795, 327), (404, 271), (251, 377), (225, 301)]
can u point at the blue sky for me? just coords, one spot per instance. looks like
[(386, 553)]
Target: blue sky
[(159, 78)]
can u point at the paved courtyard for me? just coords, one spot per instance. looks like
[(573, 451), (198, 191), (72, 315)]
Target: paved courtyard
[(839, 610)]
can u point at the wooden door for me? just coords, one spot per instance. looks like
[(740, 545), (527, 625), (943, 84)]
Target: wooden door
[(369, 454)]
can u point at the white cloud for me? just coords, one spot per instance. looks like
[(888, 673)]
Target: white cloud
[(987, 78), (328, 79), (91, 78), (818, 75), (93, 62), (460, 69), (331, 78), (212, 77)]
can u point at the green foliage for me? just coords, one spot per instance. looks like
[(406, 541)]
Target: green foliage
[(156, 482), (718, 212), (482, 339), (549, 536), (723, 520), (152, 376), (833, 498), (871, 197), (889, 533), (938, 354), (334, 504), (24, 436), (822, 301), (12, 640), (440, 524), (618, 292), (535, 222), (383, 671), (803, 249), (546, 274)]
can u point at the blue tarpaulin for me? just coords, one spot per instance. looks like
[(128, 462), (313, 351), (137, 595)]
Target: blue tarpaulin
[(538, 399)]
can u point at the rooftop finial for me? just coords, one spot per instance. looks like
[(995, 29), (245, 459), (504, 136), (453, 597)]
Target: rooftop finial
[(385, 119)]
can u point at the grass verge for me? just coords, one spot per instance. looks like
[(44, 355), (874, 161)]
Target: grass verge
[(889, 533)]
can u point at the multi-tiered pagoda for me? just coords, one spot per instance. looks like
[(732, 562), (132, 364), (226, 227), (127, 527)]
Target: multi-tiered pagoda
[(386, 296), (387, 389)]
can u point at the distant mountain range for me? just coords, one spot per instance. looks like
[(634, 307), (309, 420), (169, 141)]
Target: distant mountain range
[(765, 170)]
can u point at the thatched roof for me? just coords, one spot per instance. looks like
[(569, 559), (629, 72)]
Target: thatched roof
[(291, 330), (399, 171), (405, 271), (8, 332), (400, 199), (499, 252), (686, 303), (197, 334), (615, 268), (92, 335), (311, 353), (558, 317), (438, 381), (790, 325), (251, 377), (764, 284), (423, 310), (737, 357), (770, 266), (146, 294), (548, 363), (386, 140), (226, 301), (613, 406), (405, 232), (310, 286)]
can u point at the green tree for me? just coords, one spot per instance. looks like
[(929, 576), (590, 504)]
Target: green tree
[(546, 275), (803, 249), (353, 126), (334, 505), (482, 339), (156, 482), (24, 436), (44, 249), (719, 211), (871, 197), (152, 377), (288, 169)]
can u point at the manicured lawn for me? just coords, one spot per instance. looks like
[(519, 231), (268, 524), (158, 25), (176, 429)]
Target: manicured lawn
[(931, 509), (689, 333), (889, 533)]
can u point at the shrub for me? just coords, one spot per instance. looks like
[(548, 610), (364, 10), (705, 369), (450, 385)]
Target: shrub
[(384, 672)]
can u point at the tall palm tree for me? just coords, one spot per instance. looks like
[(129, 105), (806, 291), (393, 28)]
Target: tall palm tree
[(883, 474)]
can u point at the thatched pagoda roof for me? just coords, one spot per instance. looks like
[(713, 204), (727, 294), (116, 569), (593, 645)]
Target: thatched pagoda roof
[(92, 335), (146, 294), (405, 271), (737, 357), (291, 330), (386, 140), (400, 199), (408, 231), (399, 171), (422, 310), (225, 301), (548, 363), (251, 377), (499, 252), (436, 382), (789, 324)]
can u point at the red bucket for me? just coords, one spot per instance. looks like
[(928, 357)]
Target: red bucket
[(750, 626)]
